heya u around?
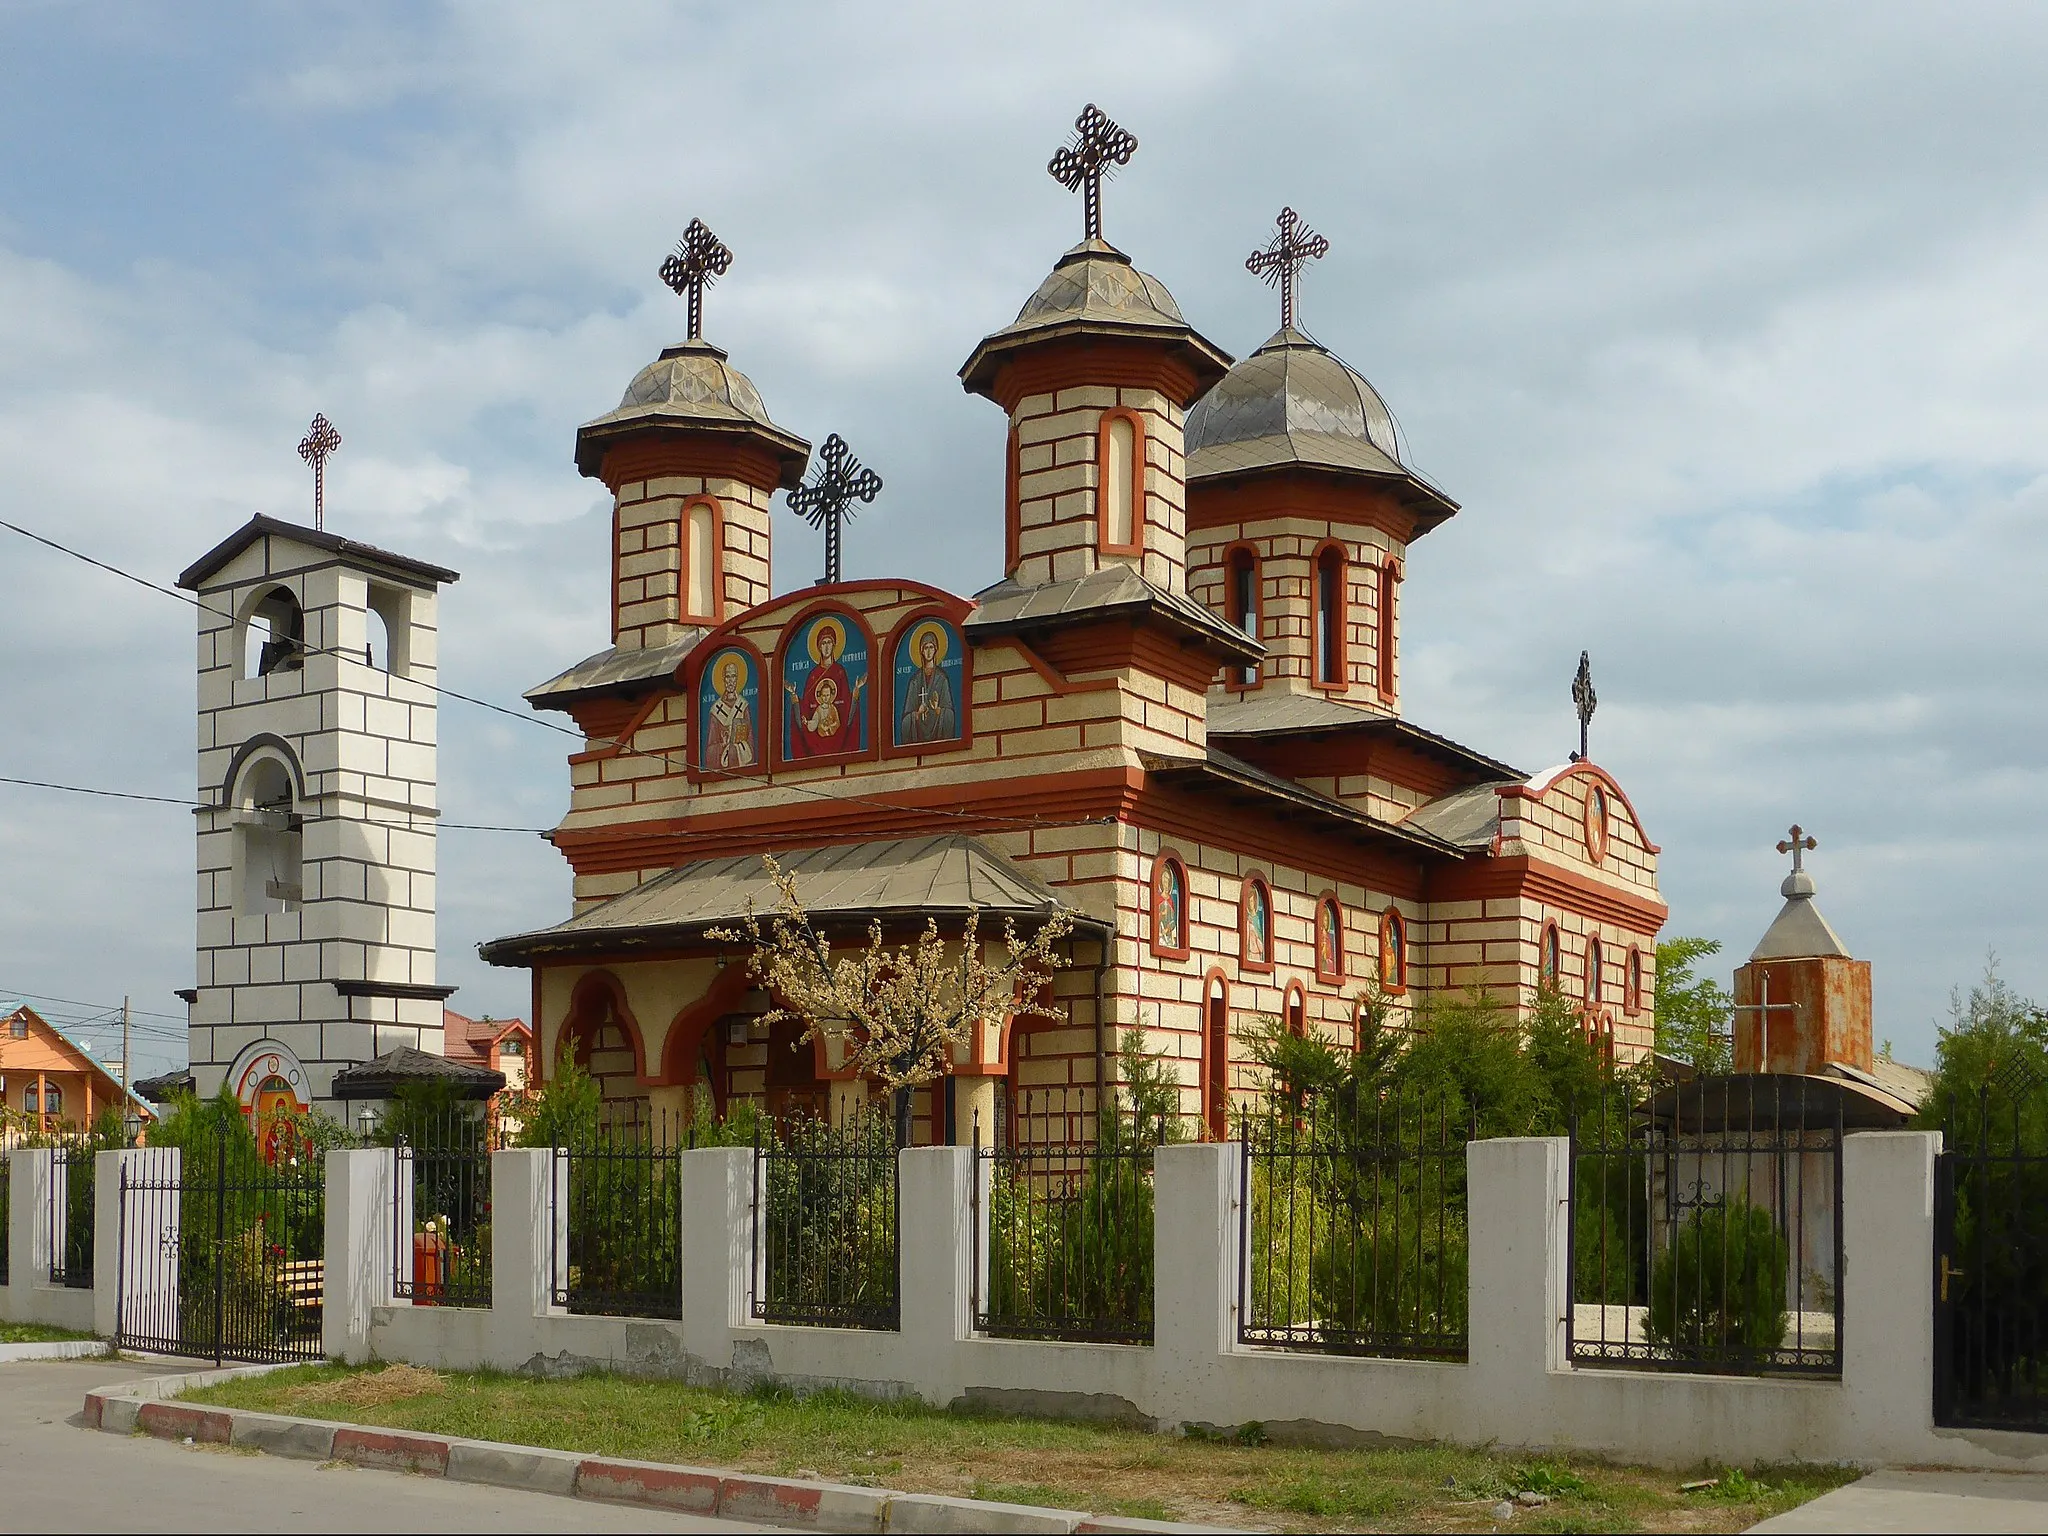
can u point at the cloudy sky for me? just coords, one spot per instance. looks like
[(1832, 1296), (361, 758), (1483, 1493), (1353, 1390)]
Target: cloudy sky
[(1724, 323)]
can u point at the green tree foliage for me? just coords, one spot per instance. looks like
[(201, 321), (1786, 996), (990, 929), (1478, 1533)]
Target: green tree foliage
[(1694, 1013), (1990, 1070), (1718, 1292), (562, 1112)]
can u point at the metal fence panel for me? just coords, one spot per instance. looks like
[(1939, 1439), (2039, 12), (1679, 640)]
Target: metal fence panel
[(1354, 1227), (6, 1216), (620, 1230), (1069, 1222), (1706, 1228), (441, 1207), (71, 1206), (825, 1203)]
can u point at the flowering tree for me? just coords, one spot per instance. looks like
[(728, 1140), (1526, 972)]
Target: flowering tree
[(901, 1012)]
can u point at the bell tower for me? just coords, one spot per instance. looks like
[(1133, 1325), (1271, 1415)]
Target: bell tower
[(692, 460), (317, 778)]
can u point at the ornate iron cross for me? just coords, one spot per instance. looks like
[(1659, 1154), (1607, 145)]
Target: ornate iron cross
[(1586, 699), (836, 484), (316, 447), (699, 259), (1799, 846), (1284, 256), (1098, 148)]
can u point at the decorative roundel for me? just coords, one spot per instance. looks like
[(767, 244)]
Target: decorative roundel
[(1596, 824)]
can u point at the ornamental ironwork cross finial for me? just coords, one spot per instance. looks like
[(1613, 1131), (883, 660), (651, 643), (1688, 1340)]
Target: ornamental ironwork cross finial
[(1284, 256), (699, 260), (836, 484), (1098, 148), (1799, 846), (1586, 699), (316, 447)]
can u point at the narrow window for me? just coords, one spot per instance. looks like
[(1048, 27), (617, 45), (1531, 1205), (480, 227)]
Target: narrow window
[(1243, 604), (1390, 582), (1169, 907), (1329, 940), (700, 562), (276, 635), (1393, 952), (1216, 1060), (1120, 484), (18, 1026), (387, 623), (1296, 1010), (1632, 983), (1329, 635), (1552, 962), (1595, 984), (267, 842)]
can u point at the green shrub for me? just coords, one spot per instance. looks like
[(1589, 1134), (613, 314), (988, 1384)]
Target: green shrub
[(1718, 1292)]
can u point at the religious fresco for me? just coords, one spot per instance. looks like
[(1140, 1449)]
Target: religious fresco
[(824, 689), (1169, 908), (1258, 925), (928, 699), (1329, 939), (729, 712)]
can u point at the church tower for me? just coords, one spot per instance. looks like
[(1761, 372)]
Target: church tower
[(316, 838), (1802, 1003), (692, 461), (1300, 511)]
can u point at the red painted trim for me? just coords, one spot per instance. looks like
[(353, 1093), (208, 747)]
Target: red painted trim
[(955, 608), (1013, 505), (765, 719), (1243, 679), (1390, 584), (591, 984), (678, 1059), (1551, 884), (537, 1062), (717, 559), (1595, 969), (853, 617), (1339, 623), (1393, 947), (1102, 543), (1593, 823), (1632, 982), (618, 513), (1550, 954), (1163, 861), (1294, 1009), (1593, 770), (1245, 962), (885, 697), (1215, 1056), (1328, 977)]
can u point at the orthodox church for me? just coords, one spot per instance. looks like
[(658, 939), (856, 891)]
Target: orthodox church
[(1177, 712)]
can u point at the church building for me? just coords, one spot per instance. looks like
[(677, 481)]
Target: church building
[(1175, 710)]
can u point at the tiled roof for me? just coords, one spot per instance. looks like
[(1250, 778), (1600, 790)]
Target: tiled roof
[(614, 669), (319, 538), (1009, 607)]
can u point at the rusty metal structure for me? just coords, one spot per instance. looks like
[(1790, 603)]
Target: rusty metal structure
[(699, 259), (319, 445), (1098, 147), (1585, 700), (838, 481), (1280, 260)]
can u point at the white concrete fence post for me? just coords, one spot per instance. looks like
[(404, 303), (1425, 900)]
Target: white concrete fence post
[(1195, 1260), (357, 1249), (935, 1248), (1518, 1210), (27, 1187), (718, 1249), (525, 1216), (133, 1283), (1888, 1288)]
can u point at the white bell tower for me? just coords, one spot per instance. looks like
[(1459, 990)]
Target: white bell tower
[(317, 778)]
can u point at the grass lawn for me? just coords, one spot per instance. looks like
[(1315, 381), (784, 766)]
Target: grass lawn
[(1030, 1461), (36, 1333)]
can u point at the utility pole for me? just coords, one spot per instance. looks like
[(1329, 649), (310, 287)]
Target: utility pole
[(124, 1055)]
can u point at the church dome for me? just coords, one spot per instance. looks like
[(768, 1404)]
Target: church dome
[(1292, 400), (691, 385), (1094, 290)]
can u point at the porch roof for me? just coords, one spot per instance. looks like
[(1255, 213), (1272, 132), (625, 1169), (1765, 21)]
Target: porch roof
[(905, 879)]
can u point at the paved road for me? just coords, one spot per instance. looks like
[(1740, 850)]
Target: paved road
[(1885, 1503), (56, 1475)]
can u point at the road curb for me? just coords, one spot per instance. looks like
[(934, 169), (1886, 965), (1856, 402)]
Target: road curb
[(55, 1349), (140, 1407)]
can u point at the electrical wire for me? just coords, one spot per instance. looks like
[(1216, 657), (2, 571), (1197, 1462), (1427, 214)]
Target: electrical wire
[(122, 794), (618, 747)]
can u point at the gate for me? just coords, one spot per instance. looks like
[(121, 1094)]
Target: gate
[(1991, 1281), (221, 1253)]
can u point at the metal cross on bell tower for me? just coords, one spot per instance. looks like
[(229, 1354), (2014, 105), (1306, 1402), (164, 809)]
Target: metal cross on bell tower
[(699, 259), (1585, 699), (1283, 257), (827, 500), (316, 447), (1098, 148), (1798, 846)]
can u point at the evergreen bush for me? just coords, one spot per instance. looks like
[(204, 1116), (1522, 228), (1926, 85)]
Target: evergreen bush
[(1718, 1292)]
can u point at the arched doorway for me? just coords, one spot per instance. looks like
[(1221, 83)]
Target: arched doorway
[(602, 1038)]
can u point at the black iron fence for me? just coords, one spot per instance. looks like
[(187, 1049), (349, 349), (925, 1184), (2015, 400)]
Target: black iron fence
[(6, 1214), (222, 1249), (1354, 1225), (824, 1217), (1068, 1222), (1991, 1264), (618, 1221), (73, 1201), (1706, 1227), (441, 1218)]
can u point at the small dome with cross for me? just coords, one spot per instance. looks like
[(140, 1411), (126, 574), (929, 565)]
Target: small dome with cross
[(690, 385)]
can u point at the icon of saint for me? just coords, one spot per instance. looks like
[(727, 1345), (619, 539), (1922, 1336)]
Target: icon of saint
[(928, 713), (828, 706), (729, 740)]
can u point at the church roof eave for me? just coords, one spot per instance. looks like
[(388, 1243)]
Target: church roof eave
[(1329, 460), (615, 671), (1220, 769), (402, 566), (1111, 592), (1268, 713)]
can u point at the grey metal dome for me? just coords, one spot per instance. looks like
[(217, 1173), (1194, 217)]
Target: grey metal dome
[(691, 385), (1293, 401)]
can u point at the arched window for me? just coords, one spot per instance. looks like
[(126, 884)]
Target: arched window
[(1120, 497), (387, 626), (1295, 1010), (1596, 982), (700, 561), (1390, 581), (1329, 940), (53, 1099), (1632, 982), (1550, 964), (1216, 1058), (276, 635), (1169, 907), (1241, 602), (1329, 616), (1393, 951), (1596, 824), (1013, 509), (267, 840), (1255, 925)]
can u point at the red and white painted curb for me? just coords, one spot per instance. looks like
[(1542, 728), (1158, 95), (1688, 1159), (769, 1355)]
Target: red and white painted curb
[(139, 1408)]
